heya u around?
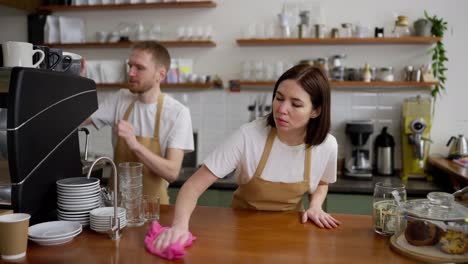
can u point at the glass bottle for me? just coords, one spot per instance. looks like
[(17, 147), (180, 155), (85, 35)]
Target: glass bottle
[(367, 75)]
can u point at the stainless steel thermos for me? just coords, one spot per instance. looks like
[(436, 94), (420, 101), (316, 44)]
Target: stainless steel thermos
[(384, 153)]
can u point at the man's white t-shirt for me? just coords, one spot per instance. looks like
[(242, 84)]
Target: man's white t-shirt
[(243, 151), (175, 129)]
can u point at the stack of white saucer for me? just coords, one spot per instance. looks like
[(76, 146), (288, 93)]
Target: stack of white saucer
[(76, 197), (54, 233), (101, 218)]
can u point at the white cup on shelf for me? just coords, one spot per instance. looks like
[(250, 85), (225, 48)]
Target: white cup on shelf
[(20, 54)]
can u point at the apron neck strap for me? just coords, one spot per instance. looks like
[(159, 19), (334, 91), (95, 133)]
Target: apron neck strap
[(129, 110), (158, 115), (307, 161), (266, 152)]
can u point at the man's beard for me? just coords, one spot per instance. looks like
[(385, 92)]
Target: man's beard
[(141, 89)]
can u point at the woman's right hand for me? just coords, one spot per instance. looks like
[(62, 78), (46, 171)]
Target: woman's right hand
[(169, 236)]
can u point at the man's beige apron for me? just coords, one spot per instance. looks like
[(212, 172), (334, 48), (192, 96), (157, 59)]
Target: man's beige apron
[(260, 194), (152, 183)]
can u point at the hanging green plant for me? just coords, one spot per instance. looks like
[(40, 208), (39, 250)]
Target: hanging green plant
[(439, 57)]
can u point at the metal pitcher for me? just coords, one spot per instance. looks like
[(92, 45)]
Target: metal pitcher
[(459, 147)]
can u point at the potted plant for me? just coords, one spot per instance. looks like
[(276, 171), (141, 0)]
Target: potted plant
[(439, 57)]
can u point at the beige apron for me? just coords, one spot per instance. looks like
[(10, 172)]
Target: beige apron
[(260, 194), (152, 184)]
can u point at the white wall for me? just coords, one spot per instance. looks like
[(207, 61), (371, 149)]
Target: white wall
[(217, 113)]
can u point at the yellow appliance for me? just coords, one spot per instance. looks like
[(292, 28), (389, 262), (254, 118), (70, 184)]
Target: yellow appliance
[(416, 125)]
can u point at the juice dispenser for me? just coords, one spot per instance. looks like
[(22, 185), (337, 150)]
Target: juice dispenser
[(416, 125)]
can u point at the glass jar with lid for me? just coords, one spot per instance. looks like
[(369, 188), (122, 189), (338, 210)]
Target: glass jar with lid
[(385, 74), (322, 63), (435, 228), (401, 27)]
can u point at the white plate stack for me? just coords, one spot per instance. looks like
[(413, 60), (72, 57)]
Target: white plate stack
[(101, 218), (54, 233), (76, 197)]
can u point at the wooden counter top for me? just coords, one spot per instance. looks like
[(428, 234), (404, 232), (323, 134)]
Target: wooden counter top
[(458, 174), (449, 166), (235, 236)]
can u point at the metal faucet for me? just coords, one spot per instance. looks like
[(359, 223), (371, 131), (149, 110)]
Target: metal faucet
[(114, 231)]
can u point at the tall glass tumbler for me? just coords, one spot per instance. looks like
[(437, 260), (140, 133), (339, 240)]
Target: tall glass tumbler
[(385, 207), (131, 191)]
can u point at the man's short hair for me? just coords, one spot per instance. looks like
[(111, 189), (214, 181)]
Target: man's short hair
[(160, 54)]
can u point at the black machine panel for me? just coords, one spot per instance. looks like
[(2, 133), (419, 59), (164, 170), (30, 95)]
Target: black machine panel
[(45, 109)]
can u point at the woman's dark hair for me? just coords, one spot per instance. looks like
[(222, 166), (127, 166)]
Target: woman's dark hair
[(315, 83)]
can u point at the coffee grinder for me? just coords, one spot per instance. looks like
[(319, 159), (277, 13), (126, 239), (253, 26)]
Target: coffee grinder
[(416, 125), (358, 164)]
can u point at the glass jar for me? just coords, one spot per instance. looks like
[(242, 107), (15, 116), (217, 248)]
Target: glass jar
[(322, 63), (352, 74), (338, 73), (385, 207), (436, 226), (320, 31), (401, 27), (385, 74), (346, 30)]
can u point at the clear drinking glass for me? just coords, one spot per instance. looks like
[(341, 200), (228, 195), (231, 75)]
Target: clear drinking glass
[(385, 208), (131, 191), (151, 207)]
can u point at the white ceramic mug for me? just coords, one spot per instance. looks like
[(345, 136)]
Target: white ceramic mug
[(20, 54)]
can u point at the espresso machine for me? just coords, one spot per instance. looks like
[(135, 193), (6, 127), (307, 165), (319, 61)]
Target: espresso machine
[(40, 112), (358, 161), (416, 124)]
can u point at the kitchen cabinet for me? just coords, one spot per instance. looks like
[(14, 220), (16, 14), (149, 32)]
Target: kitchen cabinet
[(211, 197), (335, 203), (348, 204)]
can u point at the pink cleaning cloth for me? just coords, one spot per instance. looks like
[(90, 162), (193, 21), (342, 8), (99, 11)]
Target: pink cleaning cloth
[(173, 251)]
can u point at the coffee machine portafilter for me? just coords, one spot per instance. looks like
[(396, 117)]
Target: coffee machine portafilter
[(417, 128)]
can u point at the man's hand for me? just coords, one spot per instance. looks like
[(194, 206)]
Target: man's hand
[(125, 130)]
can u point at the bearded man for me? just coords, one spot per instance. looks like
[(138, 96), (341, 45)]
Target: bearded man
[(149, 126)]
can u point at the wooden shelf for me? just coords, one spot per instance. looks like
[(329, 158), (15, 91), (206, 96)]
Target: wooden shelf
[(185, 4), (338, 84), (127, 44), (163, 85), (336, 41)]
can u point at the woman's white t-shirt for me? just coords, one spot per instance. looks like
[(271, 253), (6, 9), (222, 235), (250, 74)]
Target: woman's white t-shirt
[(175, 130), (243, 151)]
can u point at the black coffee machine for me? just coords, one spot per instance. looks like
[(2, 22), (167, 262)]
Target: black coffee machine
[(358, 163), (40, 112)]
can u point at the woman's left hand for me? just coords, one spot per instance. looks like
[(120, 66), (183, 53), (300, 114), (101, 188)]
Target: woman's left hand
[(320, 218)]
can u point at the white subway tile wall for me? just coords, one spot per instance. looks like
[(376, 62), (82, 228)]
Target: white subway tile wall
[(216, 114)]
